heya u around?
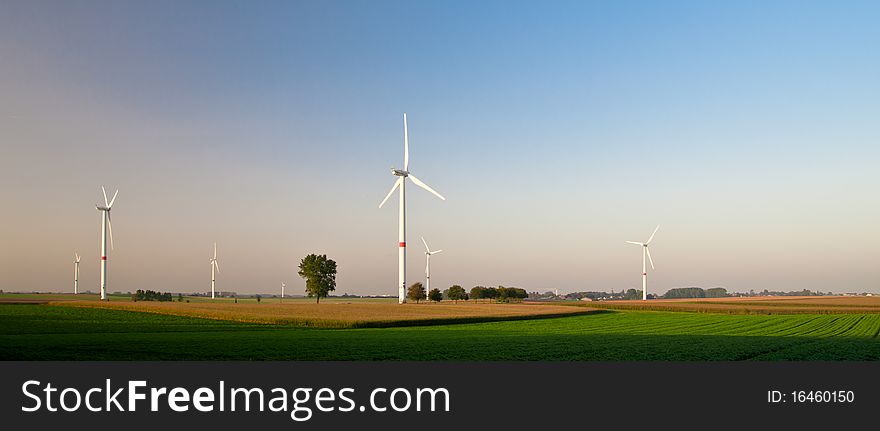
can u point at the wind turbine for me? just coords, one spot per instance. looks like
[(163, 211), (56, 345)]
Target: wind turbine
[(400, 183), (105, 227), (75, 273), (646, 253), (214, 266), (428, 254), (282, 290)]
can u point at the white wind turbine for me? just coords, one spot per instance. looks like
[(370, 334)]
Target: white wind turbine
[(400, 183), (105, 227), (282, 290), (214, 266), (646, 253), (428, 254), (76, 273)]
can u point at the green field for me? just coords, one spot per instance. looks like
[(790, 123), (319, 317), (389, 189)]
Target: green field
[(56, 332)]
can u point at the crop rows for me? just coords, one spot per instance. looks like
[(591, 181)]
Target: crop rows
[(47, 332)]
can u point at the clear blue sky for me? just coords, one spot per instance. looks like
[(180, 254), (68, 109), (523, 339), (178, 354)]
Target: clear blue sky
[(557, 131)]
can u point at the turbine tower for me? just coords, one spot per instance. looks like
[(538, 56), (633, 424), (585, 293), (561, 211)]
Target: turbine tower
[(428, 254), (76, 273), (214, 266), (282, 291), (400, 183), (105, 227), (646, 254)]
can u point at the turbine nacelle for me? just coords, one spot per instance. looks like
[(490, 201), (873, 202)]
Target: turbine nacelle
[(399, 172)]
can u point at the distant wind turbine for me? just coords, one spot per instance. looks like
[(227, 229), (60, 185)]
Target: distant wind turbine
[(646, 253), (400, 183), (105, 227), (76, 273), (428, 254), (282, 290), (214, 266)]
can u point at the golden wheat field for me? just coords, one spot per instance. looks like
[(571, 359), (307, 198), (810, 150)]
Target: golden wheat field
[(754, 305), (341, 314)]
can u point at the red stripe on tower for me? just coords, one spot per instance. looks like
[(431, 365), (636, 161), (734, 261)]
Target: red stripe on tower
[(103, 257), (401, 244)]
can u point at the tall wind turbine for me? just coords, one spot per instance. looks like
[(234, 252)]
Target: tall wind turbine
[(282, 290), (105, 227), (428, 254), (646, 254), (214, 266), (400, 183), (76, 273)]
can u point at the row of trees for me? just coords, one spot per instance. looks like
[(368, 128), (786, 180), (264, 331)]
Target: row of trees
[(149, 295), (696, 292), (499, 293), (417, 293)]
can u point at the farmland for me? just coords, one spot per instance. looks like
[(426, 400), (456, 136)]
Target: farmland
[(42, 332), (752, 305), (340, 314)]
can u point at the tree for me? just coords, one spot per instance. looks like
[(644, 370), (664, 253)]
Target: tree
[(716, 292), (416, 292), (435, 295), (258, 298), (456, 292), (685, 292), (179, 297), (490, 293), (502, 293), (477, 292), (320, 275), (632, 294)]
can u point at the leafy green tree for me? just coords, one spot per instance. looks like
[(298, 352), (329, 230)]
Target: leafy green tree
[(685, 292), (435, 295), (502, 293), (320, 275), (477, 292), (632, 294), (416, 292), (716, 292), (490, 293), (456, 293)]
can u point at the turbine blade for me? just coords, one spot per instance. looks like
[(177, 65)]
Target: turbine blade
[(215, 251), (633, 242), (114, 199), (428, 249), (105, 195), (405, 145), (647, 250), (435, 252), (652, 235), (110, 229), (217, 265), (393, 188), (419, 183)]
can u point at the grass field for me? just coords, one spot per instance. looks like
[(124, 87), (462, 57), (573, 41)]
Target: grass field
[(69, 333)]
